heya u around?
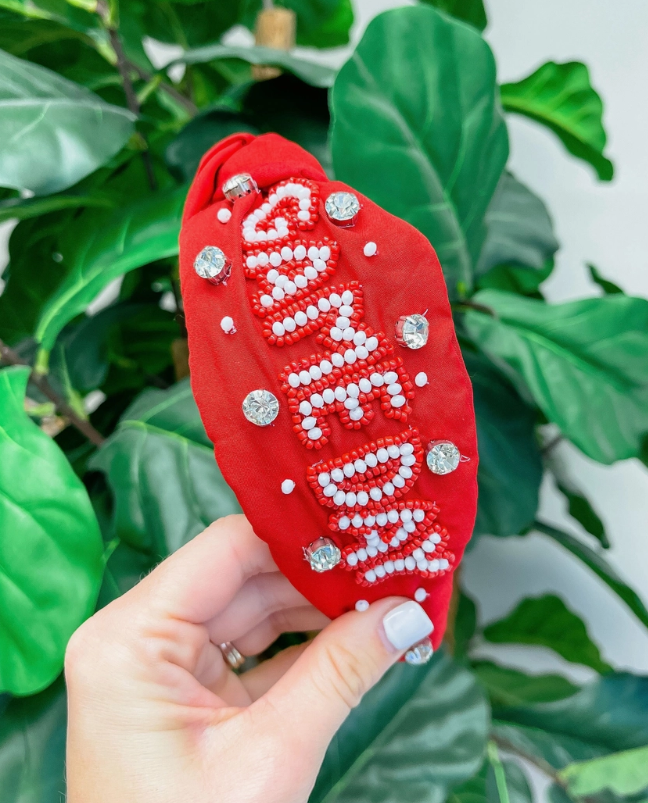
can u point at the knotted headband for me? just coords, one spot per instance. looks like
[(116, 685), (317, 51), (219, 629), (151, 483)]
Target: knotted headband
[(327, 372)]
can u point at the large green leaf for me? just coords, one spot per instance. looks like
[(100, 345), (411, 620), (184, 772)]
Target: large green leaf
[(32, 747), (53, 132), (585, 363), (471, 11), (309, 71), (50, 547), (510, 467), (547, 622), (24, 208), (561, 97), (105, 244), (519, 229), (605, 716), (418, 128), (597, 563), (160, 466), (624, 773), (417, 733), (506, 686)]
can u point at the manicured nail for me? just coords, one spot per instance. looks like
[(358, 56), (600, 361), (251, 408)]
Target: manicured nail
[(406, 625)]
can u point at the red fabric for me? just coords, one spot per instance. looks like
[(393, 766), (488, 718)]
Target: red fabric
[(403, 278)]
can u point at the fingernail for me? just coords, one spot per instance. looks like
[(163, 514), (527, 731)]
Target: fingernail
[(406, 625)]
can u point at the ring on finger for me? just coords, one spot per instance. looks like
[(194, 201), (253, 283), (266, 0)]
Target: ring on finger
[(231, 655)]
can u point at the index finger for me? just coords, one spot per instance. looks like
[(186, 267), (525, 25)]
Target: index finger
[(200, 579)]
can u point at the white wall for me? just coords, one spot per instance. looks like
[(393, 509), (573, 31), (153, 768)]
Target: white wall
[(601, 223)]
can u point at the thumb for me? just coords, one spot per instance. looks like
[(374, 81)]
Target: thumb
[(345, 660)]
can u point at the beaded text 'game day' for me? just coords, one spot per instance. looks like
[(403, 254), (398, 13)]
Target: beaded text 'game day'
[(328, 375)]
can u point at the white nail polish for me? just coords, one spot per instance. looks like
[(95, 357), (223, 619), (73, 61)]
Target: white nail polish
[(406, 625)]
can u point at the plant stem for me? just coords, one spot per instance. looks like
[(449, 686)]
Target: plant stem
[(540, 763), (124, 72), (171, 91), (498, 769), (9, 356)]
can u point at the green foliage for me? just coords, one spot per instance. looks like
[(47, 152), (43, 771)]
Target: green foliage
[(561, 97), (547, 622), (419, 127), (58, 131), (45, 508), (407, 114)]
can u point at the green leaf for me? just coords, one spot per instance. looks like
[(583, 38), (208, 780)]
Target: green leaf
[(160, 466), (308, 71), (599, 566), (50, 547), (54, 132), (605, 716), (510, 467), (608, 287), (418, 128), (522, 281), (579, 506), (24, 208), (547, 622), (519, 229), (465, 625), (561, 97), (506, 686), (104, 245), (32, 747), (584, 363), (623, 773), (482, 788), (418, 731), (471, 11)]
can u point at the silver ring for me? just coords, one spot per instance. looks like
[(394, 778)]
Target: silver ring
[(232, 655)]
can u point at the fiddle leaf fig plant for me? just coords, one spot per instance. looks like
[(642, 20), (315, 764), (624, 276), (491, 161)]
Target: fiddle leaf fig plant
[(105, 467)]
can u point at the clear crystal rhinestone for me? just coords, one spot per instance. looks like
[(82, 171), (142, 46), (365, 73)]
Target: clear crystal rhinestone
[(420, 653), (261, 407), (412, 331), (442, 457), (212, 264), (322, 555), (342, 208), (238, 186)]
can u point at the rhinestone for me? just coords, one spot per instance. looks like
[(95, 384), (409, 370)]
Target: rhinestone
[(260, 407), (420, 653), (442, 457), (342, 208), (212, 264), (238, 186), (322, 555), (412, 331)]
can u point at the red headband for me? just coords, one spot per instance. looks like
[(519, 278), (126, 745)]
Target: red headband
[(327, 373)]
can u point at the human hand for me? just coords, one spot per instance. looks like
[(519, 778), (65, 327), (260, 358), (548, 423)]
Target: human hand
[(157, 716)]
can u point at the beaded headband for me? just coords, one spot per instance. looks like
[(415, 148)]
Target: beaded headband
[(326, 370)]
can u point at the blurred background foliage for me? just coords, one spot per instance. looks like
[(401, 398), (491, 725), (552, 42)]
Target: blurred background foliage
[(105, 467)]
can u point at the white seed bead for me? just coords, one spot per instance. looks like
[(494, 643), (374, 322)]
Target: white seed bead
[(339, 497), (340, 393), (353, 390), (406, 515), (315, 371), (397, 401), (301, 318), (362, 604), (369, 520), (360, 466), (409, 526), (351, 404), (421, 379), (305, 408), (389, 566), (310, 273), (328, 395), (360, 338), (312, 312), (346, 310), (420, 595), (315, 433), (399, 565), (377, 380), (337, 474), (344, 523), (227, 325), (410, 563), (301, 281), (370, 249), (363, 498), (275, 259), (348, 469), (293, 380), (290, 288), (309, 422), (357, 414), (317, 400), (398, 481), (388, 489), (381, 519), (428, 546), (278, 329), (394, 389), (370, 576), (278, 294), (299, 252), (326, 367), (251, 261), (286, 253), (401, 534), (406, 448), (365, 385), (337, 360), (362, 554), (303, 215), (266, 300), (383, 455), (418, 514), (357, 520), (408, 460), (347, 297), (335, 300), (380, 571), (263, 259), (304, 377), (279, 280), (287, 486), (324, 479), (350, 499), (319, 265), (350, 356), (289, 324), (371, 460), (313, 251), (325, 252), (324, 304), (405, 472), (352, 559), (376, 495), (336, 334), (330, 490), (342, 322)]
